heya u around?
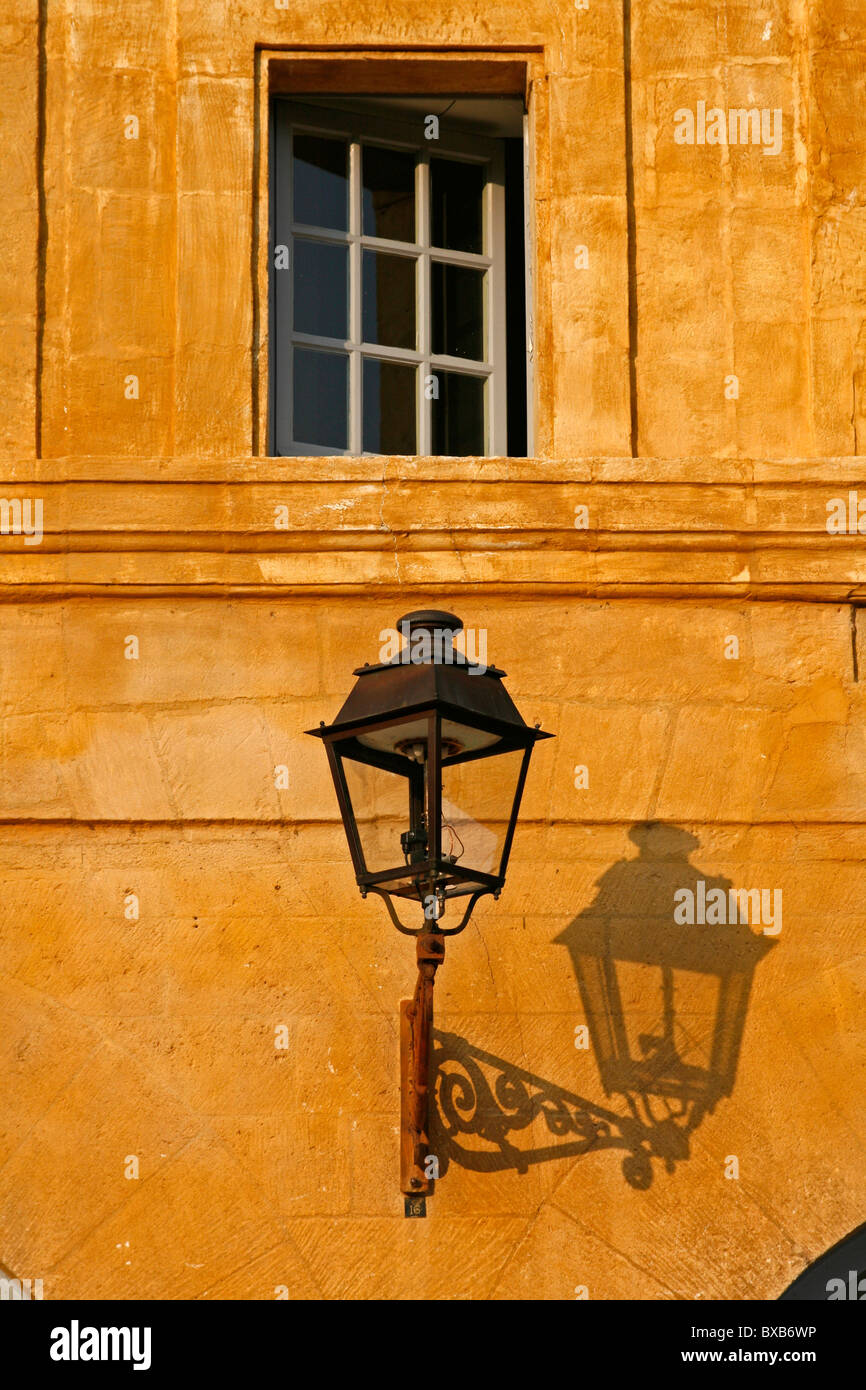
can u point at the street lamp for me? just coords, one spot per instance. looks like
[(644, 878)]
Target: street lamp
[(429, 757)]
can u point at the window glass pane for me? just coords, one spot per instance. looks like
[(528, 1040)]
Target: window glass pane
[(320, 383), (388, 299), (456, 205), (320, 184), (388, 193), (458, 415), (458, 311), (321, 284), (389, 408)]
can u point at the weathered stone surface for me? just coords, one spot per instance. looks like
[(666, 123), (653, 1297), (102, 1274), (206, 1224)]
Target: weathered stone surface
[(187, 974)]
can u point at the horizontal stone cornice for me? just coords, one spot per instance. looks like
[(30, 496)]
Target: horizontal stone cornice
[(678, 528)]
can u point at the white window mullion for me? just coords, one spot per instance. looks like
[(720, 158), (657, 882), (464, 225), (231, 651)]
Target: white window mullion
[(496, 409), (282, 281), (422, 194)]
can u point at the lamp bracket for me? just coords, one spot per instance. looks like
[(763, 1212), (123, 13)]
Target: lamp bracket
[(442, 931)]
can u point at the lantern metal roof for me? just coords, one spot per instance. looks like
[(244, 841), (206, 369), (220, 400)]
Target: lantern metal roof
[(440, 677)]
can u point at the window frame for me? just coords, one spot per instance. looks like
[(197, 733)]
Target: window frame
[(360, 127)]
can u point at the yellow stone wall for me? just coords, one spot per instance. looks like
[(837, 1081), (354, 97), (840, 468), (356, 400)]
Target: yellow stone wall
[(263, 1170)]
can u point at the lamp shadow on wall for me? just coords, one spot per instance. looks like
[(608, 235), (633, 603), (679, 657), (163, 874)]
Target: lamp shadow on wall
[(663, 1003)]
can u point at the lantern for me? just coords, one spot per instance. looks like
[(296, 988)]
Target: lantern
[(429, 757)]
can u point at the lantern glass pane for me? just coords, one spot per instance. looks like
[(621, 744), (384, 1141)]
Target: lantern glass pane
[(477, 802), (381, 804)]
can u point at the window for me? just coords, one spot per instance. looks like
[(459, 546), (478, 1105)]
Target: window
[(398, 277)]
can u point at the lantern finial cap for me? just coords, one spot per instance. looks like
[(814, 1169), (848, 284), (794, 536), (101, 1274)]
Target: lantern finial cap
[(429, 620)]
